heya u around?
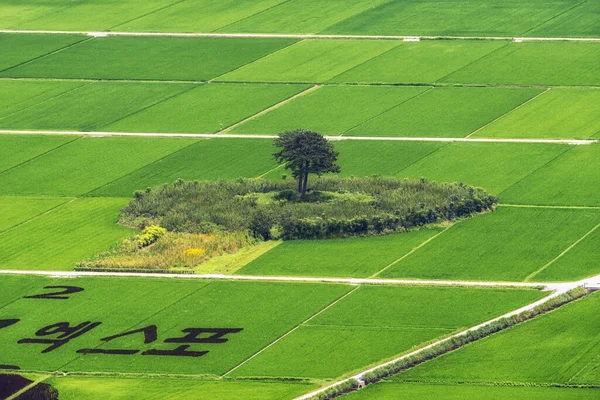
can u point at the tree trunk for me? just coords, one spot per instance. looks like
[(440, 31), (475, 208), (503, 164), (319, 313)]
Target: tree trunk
[(305, 184), (300, 178)]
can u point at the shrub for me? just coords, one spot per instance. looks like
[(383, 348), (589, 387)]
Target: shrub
[(149, 235)]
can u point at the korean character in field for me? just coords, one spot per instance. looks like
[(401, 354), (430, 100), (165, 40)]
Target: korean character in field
[(193, 336), (64, 333)]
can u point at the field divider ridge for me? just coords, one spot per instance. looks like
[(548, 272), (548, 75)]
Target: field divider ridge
[(550, 207), (300, 36), (376, 274), (359, 377), (269, 109), (252, 15), (292, 330), (79, 136), (533, 274), (332, 138), (555, 16), (50, 210), (507, 113), (146, 14)]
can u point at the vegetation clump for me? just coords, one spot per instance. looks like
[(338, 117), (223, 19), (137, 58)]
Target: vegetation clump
[(333, 207)]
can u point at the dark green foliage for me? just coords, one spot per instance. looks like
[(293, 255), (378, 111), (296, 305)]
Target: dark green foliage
[(305, 152), (335, 207)]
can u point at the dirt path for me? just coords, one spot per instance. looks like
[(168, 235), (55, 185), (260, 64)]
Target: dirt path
[(302, 36), (558, 286), (333, 138)]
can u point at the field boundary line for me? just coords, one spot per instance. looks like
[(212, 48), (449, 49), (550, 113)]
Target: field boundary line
[(138, 169), (561, 254), (555, 16), (376, 274), (269, 109), (292, 330), (48, 211), (146, 14), (269, 171), (388, 109), (15, 395), (250, 16), (302, 279), (332, 138), (302, 36), (50, 53), (359, 376), (507, 113), (556, 207), (42, 154), (558, 156)]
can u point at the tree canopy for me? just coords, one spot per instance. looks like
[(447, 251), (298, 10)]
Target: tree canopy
[(305, 152)]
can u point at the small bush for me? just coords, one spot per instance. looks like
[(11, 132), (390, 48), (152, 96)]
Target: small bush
[(150, 235)]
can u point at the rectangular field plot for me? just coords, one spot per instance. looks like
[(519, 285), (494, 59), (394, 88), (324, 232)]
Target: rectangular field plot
[(62, 237), (556, 114), (162, 58), (426, 61), (301, 16), (16, 210), (19, 95), (509, 244), (393, 390), (492, 166), (453, 18), (18, 49), (111, 388), (580, 21), (205, 160), (194, 16), (535, 63), (310, 61), (206, 108), (559, 347), (17, 149), (92, 106), (330, 110), (353, 257), (86, 164), (572, 180), (67, 15), (376, 323), (444, 112)]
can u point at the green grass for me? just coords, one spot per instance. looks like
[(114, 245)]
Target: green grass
[(163, 58), (353, 257), (92, 107), (310, 61), (64, 236), (17, 149), (111, 388), (205, 160), (301, 16), (187, 16), (444, 112), (376, 323), (16, 210), (493, 166), (86, 164), (14, 287), (454, 18), (206, 109), (557, 114), (507, 245), (19, 95), (581, 21), (347, 107), (18, 49), (265, 311), (73, 14), (392, 390), (423, 62), (578, 263), (571, 180), (535, 63), (559, 347)]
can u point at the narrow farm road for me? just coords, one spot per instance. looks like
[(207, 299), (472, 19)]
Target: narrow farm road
[(303, 36)]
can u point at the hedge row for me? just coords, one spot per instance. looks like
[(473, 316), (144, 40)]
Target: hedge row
[(131, 270)]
